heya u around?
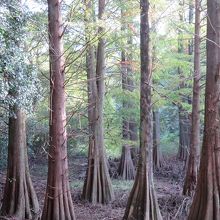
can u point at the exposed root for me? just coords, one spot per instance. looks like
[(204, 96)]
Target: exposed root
[(126, 168), (97, 186), (183, 209)]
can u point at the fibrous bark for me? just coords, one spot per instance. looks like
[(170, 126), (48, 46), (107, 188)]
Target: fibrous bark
[(58, 203), (157, 156), (207, 195), (19, 200), (97, 185), (193, 162), (126, 168), (142, 202)]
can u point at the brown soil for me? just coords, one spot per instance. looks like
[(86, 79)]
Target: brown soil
[(168, 181)]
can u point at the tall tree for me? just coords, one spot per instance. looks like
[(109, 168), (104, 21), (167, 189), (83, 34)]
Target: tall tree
[(207, 195), (97, 185), (130, 83), (184, 119), (58, 203), (192, 167), (19, 199), (129, 132), (142, 203), (157, 156)]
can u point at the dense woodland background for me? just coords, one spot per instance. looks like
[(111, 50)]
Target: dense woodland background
[(128, 91)]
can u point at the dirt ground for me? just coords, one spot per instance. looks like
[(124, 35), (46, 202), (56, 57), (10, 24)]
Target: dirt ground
[(168, 184)]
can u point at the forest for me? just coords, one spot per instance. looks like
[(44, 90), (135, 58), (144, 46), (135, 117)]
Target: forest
[(109, 110)]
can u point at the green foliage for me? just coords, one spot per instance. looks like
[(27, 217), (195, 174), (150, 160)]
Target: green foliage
[(24, 70), (18, 76), (122, 185), (169, 125), (38, 131), (3, 152)]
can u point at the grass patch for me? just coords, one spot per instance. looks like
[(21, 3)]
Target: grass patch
[(76, 184), (122, 184)]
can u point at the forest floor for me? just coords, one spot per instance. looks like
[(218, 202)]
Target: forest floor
[(168, 184)]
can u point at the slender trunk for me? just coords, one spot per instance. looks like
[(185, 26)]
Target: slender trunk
[(184, 139), (157, 157), (58, 203), (133, 130), (97, 186), (19, 200), (135, 155), (125, 121), (142, 202), (191, 174), (129, 126), (184, 123), (133, 134), (207, 195)]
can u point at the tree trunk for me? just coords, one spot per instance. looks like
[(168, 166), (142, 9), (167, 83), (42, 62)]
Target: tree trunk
[(126, 168), (157, 157), (58, 203), (193, 162), (129, 126), (133, 130), (142, 202), (207, 195), (184, 126), (19, 200), (184, 122), (97, 186), (135, 155), (125, 121), (133, 134)]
